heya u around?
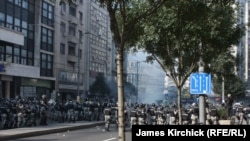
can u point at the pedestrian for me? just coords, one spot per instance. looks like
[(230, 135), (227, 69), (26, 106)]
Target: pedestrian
[(44, 110), (229, 106)]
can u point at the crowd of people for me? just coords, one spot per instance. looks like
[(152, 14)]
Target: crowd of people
[(18, 112)]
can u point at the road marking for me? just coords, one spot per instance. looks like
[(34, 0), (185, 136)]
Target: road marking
[(109, 139)]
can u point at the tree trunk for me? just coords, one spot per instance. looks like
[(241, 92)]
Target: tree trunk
[(179, 106), (121, 127)]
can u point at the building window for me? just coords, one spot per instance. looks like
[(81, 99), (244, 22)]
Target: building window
[(71, 65), (62, 48), (47, 14), (63, 28), (80, 53), (63, 8), (72, 10), (46, 65), (17, 55), (47, 39), (72, 29), (2, 52), (18, 15), (80, 36), (72, 49), (9, 53), (81, 17), (24, 56)]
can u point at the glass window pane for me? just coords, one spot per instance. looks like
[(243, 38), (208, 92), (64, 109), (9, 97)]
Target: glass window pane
[(25, 4), (24, 31), (49, 58), (2, 18), (50, 16), (44, 39), (24, 24), (43, 64), (10, 9), (9, 49), (9, 19), (30, 54), (49, 65), (17, 22), (44, 13), (44, 57), (24, 53), (17, 51)]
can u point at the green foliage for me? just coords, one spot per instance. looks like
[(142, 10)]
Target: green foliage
[(222, 113), (99, 87), (224, 66), (182, 32)]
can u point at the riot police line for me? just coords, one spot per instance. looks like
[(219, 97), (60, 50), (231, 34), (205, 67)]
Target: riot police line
[(152, 114), (18, 113)]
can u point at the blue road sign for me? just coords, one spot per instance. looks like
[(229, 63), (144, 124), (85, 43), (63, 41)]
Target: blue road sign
[(200, 83)]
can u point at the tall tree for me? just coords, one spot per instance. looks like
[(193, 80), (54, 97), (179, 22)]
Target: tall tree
[(223, 68), (99, 87), (126, 18), (184, 32)]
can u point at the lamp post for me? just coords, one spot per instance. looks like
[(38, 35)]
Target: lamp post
[(78, 69), (223, 89), (202, 117), (79, 56), (137, 79)]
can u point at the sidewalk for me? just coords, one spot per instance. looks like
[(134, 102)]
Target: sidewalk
[(10, 134)]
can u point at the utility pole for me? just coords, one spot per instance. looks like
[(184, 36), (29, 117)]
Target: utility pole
[(201, 98), (78, 68), (223, 89), (137, 80)]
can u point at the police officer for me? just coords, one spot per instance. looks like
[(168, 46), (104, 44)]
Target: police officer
[(107, 116), (44, 110), (240, 114), (133, 116), (152, 114), (70, 106), (247, 114), (141, 112)]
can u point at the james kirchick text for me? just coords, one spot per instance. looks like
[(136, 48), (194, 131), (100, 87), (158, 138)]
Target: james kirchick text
[(171, 132)]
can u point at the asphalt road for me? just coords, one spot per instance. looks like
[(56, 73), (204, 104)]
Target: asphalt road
[(90, 134)]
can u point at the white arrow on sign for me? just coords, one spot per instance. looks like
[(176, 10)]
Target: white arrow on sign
[(195, 81)]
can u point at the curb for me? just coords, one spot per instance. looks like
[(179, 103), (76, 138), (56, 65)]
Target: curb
[(49, 131)]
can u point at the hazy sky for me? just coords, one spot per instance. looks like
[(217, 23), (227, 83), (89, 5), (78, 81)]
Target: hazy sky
[(152, 80)]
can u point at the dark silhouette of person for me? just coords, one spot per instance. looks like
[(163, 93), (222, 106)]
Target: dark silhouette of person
[(229, 106), (44, 110)]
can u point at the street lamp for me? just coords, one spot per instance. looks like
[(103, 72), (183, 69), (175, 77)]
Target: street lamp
[(78, 69), (223, 89), (137, 79), (78, 65)]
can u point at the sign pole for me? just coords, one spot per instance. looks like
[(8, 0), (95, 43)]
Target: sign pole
[(201, 99)]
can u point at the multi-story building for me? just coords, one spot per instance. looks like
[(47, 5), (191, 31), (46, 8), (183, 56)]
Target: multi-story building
[(243, 47), (23, 71), (51, 48)]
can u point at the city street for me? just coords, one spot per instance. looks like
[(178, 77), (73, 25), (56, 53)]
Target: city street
[(91, 134)]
